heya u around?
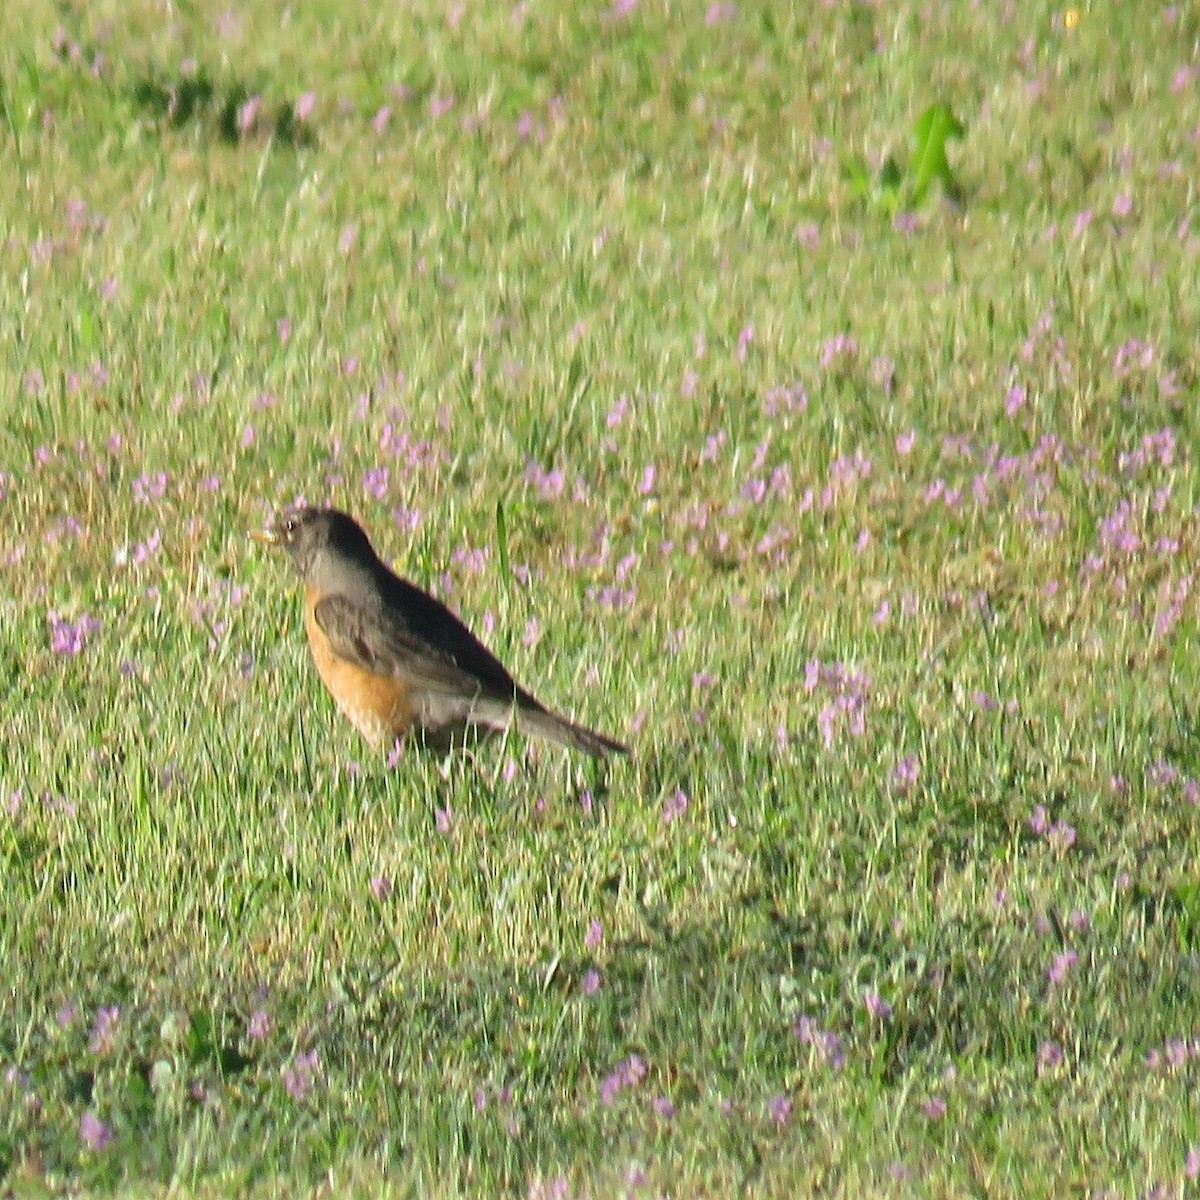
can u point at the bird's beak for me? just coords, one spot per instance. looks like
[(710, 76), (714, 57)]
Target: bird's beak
[(267, 536)]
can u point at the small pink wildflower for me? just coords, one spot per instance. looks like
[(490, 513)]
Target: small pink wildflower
[(93, 1132)]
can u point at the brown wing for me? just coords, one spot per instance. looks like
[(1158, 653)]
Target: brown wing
[(421, 644), (382, 642)]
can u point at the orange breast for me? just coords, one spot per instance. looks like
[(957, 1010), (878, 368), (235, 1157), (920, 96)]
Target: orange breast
[(376, 705)]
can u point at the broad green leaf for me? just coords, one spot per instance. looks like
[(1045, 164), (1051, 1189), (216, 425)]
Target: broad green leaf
[(931, 131)]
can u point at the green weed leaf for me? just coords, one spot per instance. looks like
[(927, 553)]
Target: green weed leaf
[(931, 131), (502, 541)]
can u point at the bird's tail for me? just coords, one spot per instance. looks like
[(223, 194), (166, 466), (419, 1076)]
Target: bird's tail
[(541, 722), (531, 719)]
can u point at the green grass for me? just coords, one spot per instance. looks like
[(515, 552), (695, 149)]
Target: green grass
[(630, 242)]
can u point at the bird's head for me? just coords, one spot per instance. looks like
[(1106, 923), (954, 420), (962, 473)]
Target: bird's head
[(311, 536)]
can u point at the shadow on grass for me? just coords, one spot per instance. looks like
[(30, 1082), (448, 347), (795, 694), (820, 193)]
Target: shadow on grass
[(489, 1074), (231, 113)]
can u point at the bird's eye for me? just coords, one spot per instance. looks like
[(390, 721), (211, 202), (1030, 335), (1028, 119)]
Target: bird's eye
[(290, 526)]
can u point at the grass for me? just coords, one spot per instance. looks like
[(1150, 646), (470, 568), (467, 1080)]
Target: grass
[(875, 538)]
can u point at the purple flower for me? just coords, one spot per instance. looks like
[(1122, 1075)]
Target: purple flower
[(149, 487), (247, 113), (375, 482), (381, 887), (1175, 1051), (441, 820), (674, 806), (828, 1046), (549, 484), (549, 1189), (594, 935), (1161, 773), (663, 1107), (906, 772), (144, 551), (1039, 820), (298, 1078), (589, 985), (1061, 836), (610, 1087), (1049, 1057), (1191, 1163), (1058, 969), (905, 443), (68, 637), (779, 1108), (934, 1108), (719, 12), (258, 1026), (101, 1039), (712, 446), (406, 519), (627, 1074), (807, 1030), (305, 103), (877, 1006), (839, 347), (93, 1132)]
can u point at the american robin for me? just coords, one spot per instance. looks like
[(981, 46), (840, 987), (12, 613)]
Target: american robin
[(395, 660)]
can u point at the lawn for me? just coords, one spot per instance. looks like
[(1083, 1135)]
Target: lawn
[(861, 502)]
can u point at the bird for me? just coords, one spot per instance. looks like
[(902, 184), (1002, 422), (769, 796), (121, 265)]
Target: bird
[(396, 661)]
